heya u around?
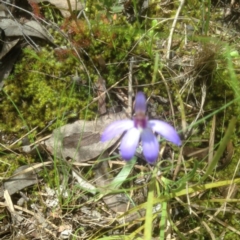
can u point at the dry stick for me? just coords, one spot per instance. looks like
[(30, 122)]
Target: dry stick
[(29, 169), (130, 111), (70, 8), (8, 149), (23, 136), (224, 224), (8, 201), (173, 28), (208, 229), (96, 99), (130, 94), (130, 89), (211, 140)]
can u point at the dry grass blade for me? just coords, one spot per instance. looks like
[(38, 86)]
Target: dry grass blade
[(212, 140), (68, 70), (25, 135), (32, 168), (209, 230), (224, 224), (102, 94), (173, 28), (8, 201), (83, 183), (23, 177), (8, 149), (130, 88), (169, 95)]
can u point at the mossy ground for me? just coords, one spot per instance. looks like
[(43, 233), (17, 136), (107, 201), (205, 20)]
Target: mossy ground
[(41, 89)]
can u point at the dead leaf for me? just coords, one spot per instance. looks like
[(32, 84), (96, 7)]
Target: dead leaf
[(112, 201), (83, 183), (199, 153), (12, 28), (8, 62), (81, 140), (227, 156), (3, 10), (87, 138), (202, 153), (16, 218), (7, 46), (19, 181), (62, 5), (23, 177)]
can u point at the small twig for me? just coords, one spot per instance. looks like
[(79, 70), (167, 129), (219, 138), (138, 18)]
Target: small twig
[(208, 230), (103, 93), (8, 149), (224, 224), (8, 201), (173, 28), (29, 169), (130, 90), (211, 140), (23, 136)]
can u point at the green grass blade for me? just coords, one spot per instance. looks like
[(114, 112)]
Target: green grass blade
[(123, 174), (163, 220), (149, 213)]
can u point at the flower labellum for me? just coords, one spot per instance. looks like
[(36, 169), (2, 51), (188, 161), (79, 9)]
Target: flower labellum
[(140, 129)]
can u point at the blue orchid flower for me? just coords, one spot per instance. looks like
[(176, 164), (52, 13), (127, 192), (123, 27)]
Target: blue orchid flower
[(140, 129)]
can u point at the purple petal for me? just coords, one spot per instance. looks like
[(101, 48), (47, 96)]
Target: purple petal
[(165, 130), (150, 146), (129, 143), (116, 128), (140, 102)]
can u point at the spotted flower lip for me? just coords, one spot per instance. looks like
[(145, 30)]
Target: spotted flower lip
[(140, 129)]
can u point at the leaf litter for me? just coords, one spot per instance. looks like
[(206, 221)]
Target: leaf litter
[(100, 194), (64, 5), (13, 32), (80, 140)]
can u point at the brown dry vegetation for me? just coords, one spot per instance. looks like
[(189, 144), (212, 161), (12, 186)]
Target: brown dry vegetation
[(88, 64)]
